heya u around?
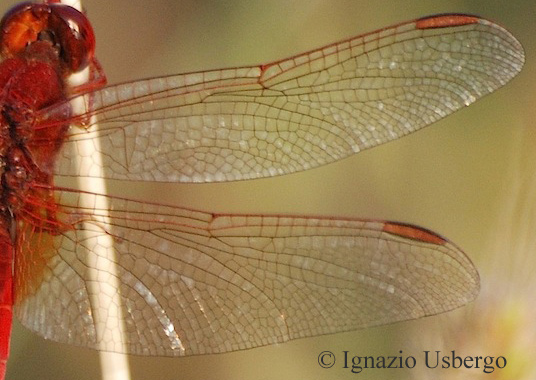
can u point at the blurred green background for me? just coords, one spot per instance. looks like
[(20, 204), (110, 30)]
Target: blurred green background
[(470, 177)]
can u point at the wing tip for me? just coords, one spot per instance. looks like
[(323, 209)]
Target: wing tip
[(471, 278)]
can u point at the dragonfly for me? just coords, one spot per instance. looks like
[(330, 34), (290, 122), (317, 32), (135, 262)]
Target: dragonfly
[(187, 281)]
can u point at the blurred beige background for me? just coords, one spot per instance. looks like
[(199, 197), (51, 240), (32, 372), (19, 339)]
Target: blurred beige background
[(470, 177)]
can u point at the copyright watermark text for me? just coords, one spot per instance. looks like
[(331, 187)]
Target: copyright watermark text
[(429, 359)]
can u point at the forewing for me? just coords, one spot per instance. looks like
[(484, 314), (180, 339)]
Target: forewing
[(295, 114), (188, 282)]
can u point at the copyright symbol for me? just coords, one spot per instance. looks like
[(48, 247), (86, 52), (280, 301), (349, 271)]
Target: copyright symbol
[(326, 359)]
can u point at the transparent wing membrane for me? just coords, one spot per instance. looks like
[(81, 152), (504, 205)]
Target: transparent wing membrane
[(195, 283), (298, 113)]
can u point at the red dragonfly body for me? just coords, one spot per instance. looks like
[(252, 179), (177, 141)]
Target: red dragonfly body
[(193, 282), (32, 76)]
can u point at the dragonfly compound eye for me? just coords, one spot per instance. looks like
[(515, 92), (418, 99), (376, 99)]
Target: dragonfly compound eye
[(74, 34), (67, 28)]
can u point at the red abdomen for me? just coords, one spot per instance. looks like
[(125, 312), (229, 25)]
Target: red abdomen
[(6, 297)]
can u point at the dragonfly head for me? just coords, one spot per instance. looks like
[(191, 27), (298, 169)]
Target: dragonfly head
[(65, 28)]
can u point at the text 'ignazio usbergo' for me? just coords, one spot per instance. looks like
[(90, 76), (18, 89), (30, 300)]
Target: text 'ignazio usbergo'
[(430, 359)]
